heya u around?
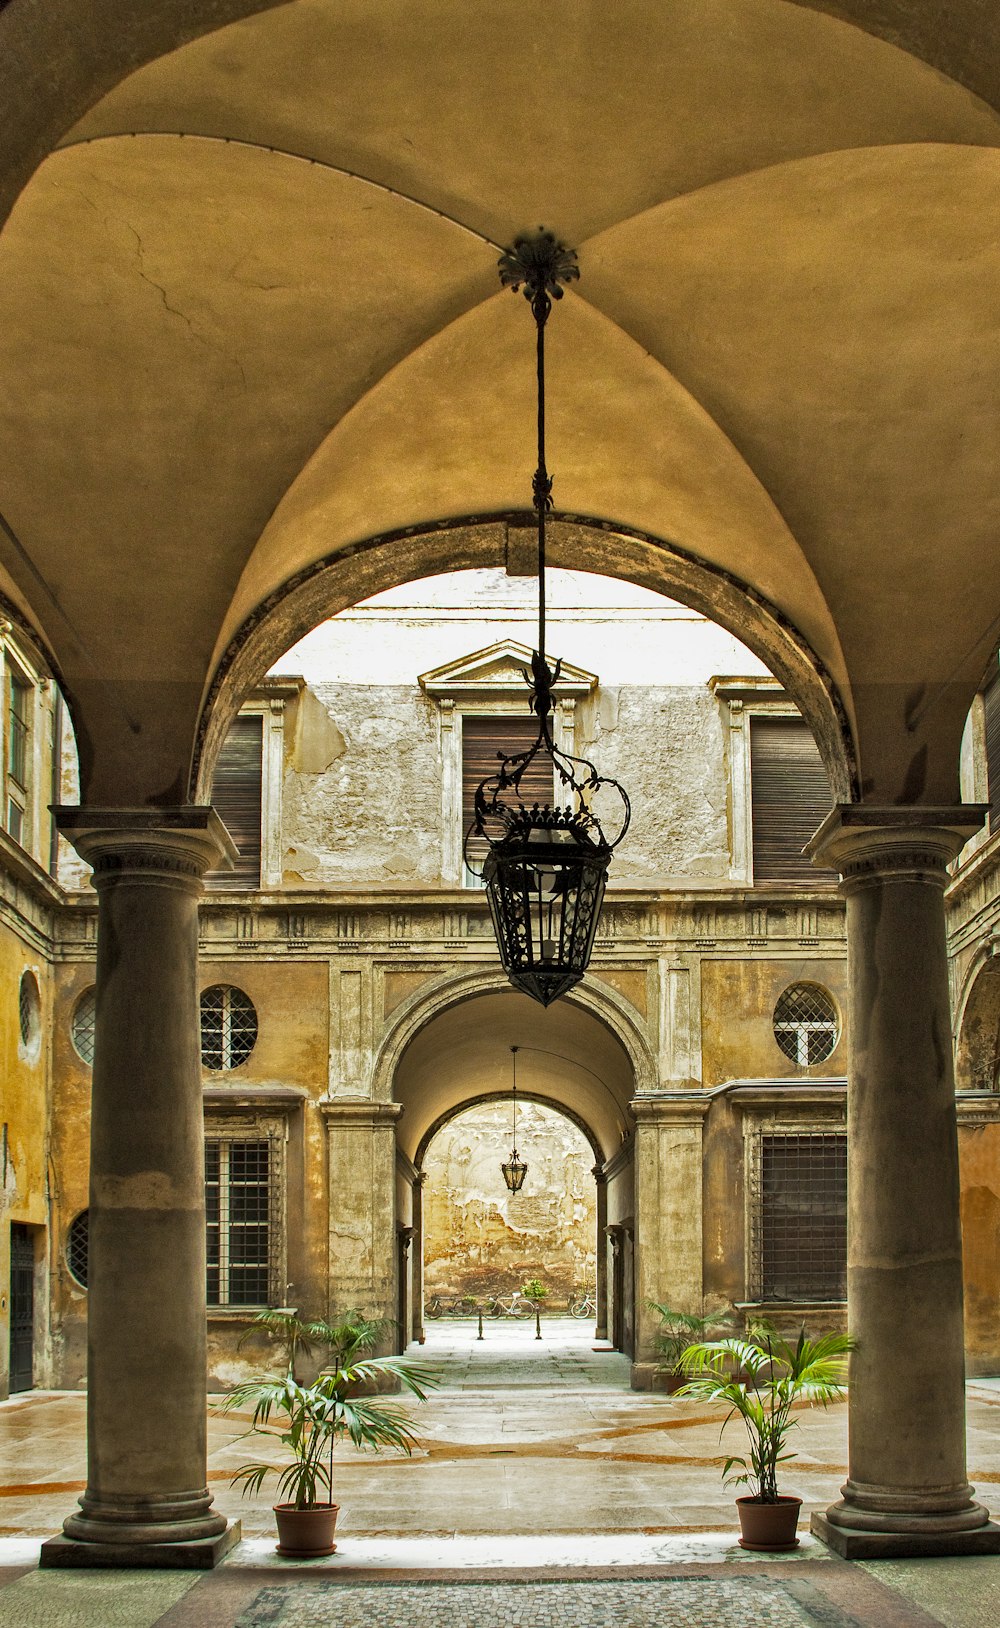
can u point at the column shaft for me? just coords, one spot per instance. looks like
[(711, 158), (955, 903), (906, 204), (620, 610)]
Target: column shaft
[(907, 1491), (146, 1414)]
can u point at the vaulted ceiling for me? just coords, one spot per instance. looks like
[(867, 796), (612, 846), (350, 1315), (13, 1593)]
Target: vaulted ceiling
[(250, 320)]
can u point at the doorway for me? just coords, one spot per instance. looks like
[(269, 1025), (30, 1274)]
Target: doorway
[(22, 1307)]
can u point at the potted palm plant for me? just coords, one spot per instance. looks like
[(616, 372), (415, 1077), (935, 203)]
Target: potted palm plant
[(761, 1377), (310, 1419), (676, 1332)]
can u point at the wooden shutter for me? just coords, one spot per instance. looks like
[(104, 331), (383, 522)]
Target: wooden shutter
[(991, 707), (791, 797), (236, 795), (482, 740)]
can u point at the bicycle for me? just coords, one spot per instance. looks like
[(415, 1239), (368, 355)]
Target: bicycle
[(582, 1305), (450, 1305), (514, 1305)]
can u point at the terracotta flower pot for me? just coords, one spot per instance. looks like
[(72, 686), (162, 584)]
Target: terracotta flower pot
[(768, 1526), (303, 1534)]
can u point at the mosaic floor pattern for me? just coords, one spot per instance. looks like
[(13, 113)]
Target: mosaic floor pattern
[(674, 1602)]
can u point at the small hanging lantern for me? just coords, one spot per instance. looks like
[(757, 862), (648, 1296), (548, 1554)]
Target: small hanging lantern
[(546, 868), (515, 1169)]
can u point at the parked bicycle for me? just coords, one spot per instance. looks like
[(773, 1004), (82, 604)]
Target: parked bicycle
[(582, 1305), (512, 1305), (450, 1305)]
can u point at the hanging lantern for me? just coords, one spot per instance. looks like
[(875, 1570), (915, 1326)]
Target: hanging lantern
[(515, 1170), (546, 866)]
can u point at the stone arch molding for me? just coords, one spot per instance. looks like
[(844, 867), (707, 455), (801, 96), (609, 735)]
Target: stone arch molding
[(976, 1036), (577, 542), (434, 999)]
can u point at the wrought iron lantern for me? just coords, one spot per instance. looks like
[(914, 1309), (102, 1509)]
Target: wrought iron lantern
[(546, 866), (515, 1169)]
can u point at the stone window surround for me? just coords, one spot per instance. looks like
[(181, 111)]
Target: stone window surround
[(774, 1109), (14, 660), (461, 690), (248, 1120), (743, 699), (268, 703)]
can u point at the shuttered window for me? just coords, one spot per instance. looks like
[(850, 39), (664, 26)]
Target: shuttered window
[(790, 798), (482, 740), (236, 796), (991, 703), (804, 1217)]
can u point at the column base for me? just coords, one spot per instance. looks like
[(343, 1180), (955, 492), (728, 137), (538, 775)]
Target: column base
[(192, 1554), (922, 1539)]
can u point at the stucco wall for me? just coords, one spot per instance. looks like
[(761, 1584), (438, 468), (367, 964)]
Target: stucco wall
[(979, 1163), (737, 1005), (24, 1073)]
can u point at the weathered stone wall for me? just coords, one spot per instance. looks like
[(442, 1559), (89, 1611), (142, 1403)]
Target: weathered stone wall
[(478, 1236)]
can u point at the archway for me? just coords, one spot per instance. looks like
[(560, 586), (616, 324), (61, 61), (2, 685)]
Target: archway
[(481, 1242), (451, 1048)]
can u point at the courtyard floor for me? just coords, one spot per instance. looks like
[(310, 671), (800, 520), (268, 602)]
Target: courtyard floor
[(543, 1492)]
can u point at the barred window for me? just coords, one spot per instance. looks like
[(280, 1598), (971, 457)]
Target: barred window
[(29, 1014), (78, 1248), (228, 1027), (239, 1201), (82, 1025), (803, 1217), (805, 1024)]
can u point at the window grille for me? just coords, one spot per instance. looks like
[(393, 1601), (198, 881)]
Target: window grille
[(242, 1235), (228, 1027), (82, 1026), (801, 1216), (29, 1010), (805, 1024), (78, 1248)]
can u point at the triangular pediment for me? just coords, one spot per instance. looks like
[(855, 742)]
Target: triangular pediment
[(500, 669)]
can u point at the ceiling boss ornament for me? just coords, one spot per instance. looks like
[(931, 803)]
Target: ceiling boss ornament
[(546, 865)]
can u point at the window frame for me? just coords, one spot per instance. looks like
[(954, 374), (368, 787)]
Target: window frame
[(831, 1123), (742, 699), (489, 684), (225, 1130)]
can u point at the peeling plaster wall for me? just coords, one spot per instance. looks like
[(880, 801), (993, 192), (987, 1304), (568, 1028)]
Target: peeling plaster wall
[(478, 1236), (373, 812)]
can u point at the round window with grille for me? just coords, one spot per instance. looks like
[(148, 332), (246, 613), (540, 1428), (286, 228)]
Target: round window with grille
[(228, 1027), (29, 1015), (806, 1026), (78, 1247), (82, 1025)]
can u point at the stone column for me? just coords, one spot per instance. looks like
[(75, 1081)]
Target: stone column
[(361, 1144), (668, 1216), (147, 1502), (907, 1492), (418, 1332), (601, 1292)]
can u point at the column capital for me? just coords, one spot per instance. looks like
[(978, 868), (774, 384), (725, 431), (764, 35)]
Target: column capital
[(670, 1107), (864, 841), (180, 842), (360, 1111)]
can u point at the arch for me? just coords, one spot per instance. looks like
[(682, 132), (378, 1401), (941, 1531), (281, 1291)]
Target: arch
[(977, 1022), (443, 995), (578, 542)]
